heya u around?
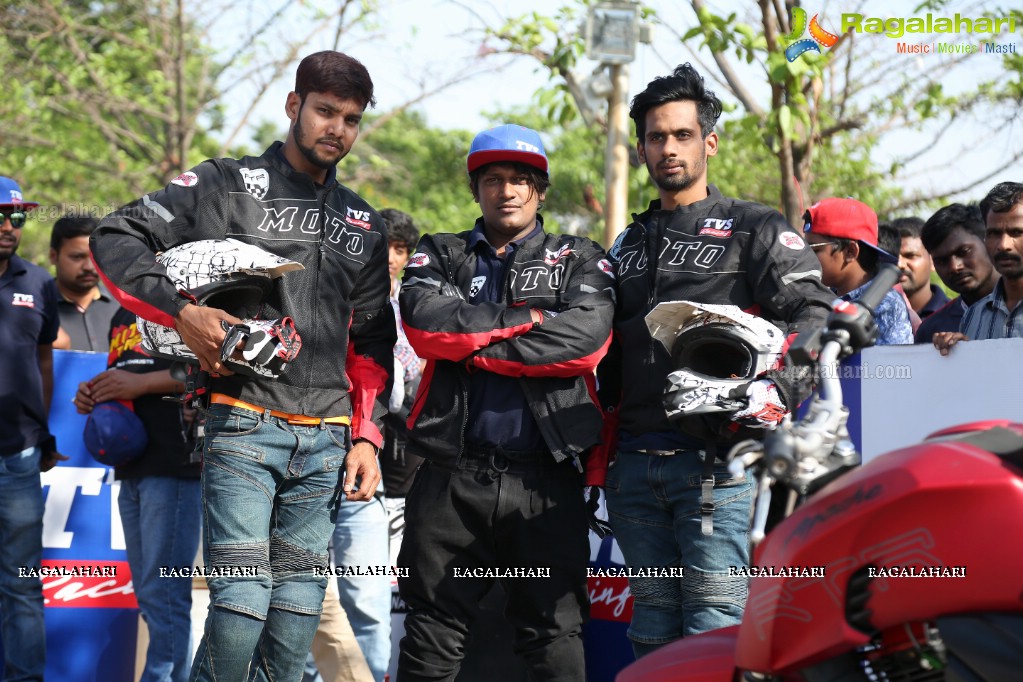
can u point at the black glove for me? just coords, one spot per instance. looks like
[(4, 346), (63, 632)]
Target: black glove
[(596, 504)]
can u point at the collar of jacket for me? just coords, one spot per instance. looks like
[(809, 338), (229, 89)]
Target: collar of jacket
[(713, 196), (478, 236), (274, 155)]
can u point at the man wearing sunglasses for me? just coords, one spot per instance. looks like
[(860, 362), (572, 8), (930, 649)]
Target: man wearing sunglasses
[(28, 327), (843, 235)]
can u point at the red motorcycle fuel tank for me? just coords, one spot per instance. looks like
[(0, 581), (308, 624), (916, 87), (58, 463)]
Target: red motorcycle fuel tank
[(917, 533)]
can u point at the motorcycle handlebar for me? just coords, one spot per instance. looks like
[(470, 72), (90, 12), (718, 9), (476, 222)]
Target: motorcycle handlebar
[(887, 276)]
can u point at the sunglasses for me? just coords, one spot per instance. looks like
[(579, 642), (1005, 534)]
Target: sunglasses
[(17, 218)]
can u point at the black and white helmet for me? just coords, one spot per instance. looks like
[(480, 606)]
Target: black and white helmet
[(717, 351), (235, 277)]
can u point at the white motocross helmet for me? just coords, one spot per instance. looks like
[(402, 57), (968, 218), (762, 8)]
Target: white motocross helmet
[(717, 350), (235, 277)]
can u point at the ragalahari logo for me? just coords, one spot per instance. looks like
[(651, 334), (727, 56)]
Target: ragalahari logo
[(818, 36)]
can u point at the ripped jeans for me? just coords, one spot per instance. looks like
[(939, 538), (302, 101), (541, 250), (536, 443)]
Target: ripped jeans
[(268, 508), (654, 508)]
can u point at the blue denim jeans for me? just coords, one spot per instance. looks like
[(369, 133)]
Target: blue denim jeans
[(21, 544), (161, 519), (654, 508), (269, 489), (361, 538)]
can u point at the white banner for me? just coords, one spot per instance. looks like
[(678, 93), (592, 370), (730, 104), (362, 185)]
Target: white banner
[(909, 392)]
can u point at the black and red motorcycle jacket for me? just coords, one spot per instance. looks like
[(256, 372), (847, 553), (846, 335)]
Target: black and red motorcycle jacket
[(554, 361), (721, 251), (339, 302)]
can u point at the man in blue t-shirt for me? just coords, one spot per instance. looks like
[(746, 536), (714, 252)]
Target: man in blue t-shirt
[(28, 327), (843, 234)]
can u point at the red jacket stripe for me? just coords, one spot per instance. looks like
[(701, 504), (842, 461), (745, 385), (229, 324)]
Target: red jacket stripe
[(569, 368), (456, 346), (135, 305), (424, 388), (369, 380)]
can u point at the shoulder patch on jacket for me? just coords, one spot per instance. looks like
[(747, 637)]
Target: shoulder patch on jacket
[(791, 240), (418, 260), (616, 248), (186, 179), (552, 257), (257, 182), (606, 267), (477, 285)]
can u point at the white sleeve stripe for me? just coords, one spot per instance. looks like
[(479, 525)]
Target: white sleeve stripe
[(795, 276), (158, 209)]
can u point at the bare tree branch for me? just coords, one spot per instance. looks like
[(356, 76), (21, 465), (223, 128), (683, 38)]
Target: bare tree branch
[(695, 56), (735, 83), (424, 94), (278, 68), (961, 189)]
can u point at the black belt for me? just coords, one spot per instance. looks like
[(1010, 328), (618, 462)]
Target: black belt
[(521, 456), (496, 460)]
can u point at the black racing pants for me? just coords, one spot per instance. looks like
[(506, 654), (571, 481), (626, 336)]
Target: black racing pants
[(490, 512)]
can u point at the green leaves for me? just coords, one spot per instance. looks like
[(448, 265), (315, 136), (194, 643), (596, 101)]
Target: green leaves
[(97, 121)]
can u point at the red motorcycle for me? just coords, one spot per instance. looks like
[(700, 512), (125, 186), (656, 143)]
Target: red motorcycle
[(906, 568)]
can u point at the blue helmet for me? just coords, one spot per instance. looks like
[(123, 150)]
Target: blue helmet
[(507, 142)]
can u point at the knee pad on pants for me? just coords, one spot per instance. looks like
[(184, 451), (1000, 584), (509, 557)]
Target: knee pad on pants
[(700, 588)]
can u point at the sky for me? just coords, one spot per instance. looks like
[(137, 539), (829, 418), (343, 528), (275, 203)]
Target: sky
[(428, 40)]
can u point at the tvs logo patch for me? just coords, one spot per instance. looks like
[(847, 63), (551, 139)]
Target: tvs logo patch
[(605, 267), (477, 285), (24, 300), (717, 227), (257, 182), (186, 179), (418, 260), (791, 240), (552, 257), (358, 218)]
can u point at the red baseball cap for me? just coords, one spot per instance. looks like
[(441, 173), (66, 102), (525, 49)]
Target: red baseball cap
[(846, 219)]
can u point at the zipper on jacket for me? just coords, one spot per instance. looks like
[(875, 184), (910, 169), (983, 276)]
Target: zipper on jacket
[(523, 381), (507, 275), (651, 263), (316, 281), (462, 373)]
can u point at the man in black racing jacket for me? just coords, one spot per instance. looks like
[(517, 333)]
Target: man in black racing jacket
[(671, 500), (512, 322), (274, 449)]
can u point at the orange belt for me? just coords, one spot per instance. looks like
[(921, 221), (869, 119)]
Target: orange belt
[(300, 419)]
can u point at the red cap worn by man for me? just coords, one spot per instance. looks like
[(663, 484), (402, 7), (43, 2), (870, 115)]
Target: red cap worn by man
[(843, 235)]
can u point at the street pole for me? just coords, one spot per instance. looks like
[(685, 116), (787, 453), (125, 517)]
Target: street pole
[(616, 163)]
